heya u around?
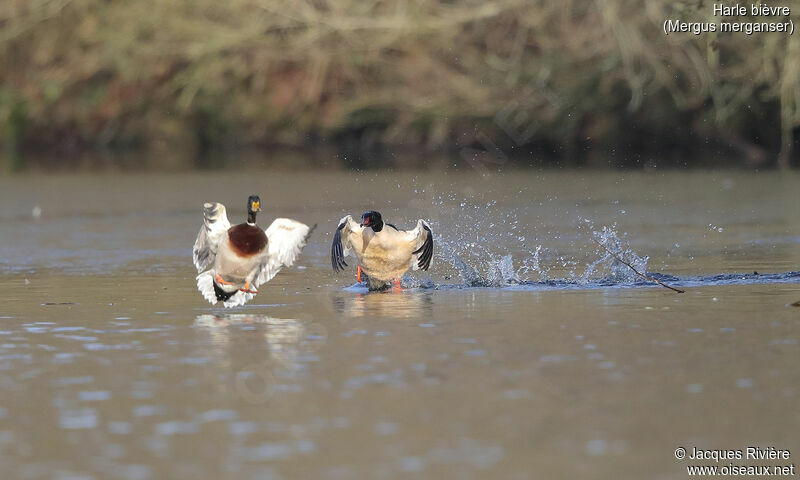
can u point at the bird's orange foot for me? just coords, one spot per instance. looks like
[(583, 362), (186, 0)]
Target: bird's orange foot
[(220, 281), (397, 286), (358, 274), (246, 288)]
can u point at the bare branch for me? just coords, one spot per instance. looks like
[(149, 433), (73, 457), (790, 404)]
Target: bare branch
[(637, 272)]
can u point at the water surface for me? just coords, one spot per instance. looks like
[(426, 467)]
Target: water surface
[(525, 352)]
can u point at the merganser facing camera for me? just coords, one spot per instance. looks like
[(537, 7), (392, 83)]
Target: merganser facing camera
[(383, 254)]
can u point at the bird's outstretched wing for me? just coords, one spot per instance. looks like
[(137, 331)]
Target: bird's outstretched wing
[(341, 245), (421, 239), (285, 240), (215, 226)]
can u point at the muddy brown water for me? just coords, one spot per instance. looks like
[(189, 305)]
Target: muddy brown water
[(524, 352)]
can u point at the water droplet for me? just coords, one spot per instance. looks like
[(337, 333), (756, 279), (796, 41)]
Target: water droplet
[(694, 388), (745, 383)]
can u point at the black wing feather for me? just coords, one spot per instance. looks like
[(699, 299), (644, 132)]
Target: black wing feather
[(427, 250), (337, 252)]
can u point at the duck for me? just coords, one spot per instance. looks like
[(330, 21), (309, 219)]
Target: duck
[(384, 252), (233, 261)]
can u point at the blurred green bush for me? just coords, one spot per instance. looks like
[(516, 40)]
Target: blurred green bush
[(573, 82)]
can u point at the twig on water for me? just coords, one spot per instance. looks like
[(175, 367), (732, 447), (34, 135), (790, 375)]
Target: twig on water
[(637, 272)]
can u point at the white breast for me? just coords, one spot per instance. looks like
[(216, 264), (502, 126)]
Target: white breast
[(385, 255), (233, 268)]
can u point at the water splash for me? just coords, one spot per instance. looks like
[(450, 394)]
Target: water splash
[(610, 244), (483, 255), (502, 271), (486, 245)]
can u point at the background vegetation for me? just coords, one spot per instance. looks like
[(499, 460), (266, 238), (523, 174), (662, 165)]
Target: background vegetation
[(575, 82)]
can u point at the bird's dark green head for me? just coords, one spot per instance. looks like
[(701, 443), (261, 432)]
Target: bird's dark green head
[(253, 206), (373, 220)]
